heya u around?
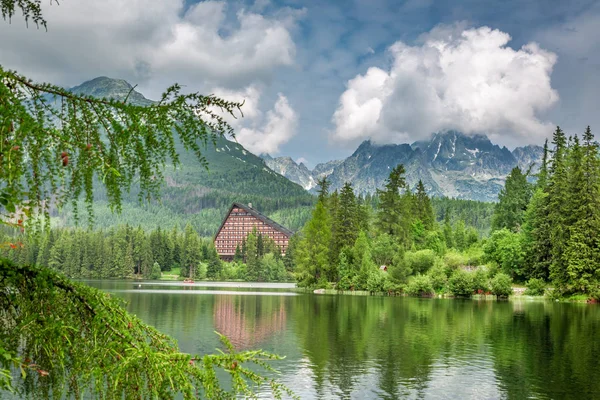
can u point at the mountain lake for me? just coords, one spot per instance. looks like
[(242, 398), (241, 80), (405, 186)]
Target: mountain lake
[(367, 347)]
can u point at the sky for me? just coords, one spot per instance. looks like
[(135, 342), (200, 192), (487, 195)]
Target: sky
[(320, 77)]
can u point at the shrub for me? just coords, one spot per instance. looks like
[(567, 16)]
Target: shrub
[(376, 281), (392, 287), (420, 261), (437, 276), (399, 270), (461, 283), (435, 241), (506, 249), (535, 287), (475, 256), (480, 281), (419, 285), (454, 260), (502, 285), (155, 273)]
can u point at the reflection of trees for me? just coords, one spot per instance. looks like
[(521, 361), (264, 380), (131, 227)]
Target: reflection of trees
[(556, 354), (537, 349), (249, 320)]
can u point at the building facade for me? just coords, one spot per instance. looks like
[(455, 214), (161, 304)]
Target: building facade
[(241, 221)]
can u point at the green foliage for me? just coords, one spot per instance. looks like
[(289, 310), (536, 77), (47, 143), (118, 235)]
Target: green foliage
[(461, 283), (437, 276), (562, 219), (502, 285), (345, 220), (506, 249), (420, 285), (420, 261), (376, 282), (125, 358), (423, 208), (512, 202), (535, 287), (477, 214), (384, 249), (313, 251), (454, 260), (115, 141), (155, 273), (481, 282), (393, 216)]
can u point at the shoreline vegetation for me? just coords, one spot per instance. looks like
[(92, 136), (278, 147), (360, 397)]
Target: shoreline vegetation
[(543, 234)]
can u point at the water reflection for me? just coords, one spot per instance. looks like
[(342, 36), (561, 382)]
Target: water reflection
[(379, 347), (246, 322)]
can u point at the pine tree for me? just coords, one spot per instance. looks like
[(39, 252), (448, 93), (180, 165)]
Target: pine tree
[(423, 208), (260, 245), (312, 254), (448, 234), (238, 257), (542, 176), (558, 198), (190, 252), (323, 189), (252, 259), (509, 212), (346, 221), (215, 267), (392, 215), (582, 254)]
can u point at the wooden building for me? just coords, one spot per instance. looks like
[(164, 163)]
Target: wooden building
[(239, 222)]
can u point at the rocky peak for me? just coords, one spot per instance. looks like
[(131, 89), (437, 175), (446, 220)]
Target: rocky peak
[(109, 88)]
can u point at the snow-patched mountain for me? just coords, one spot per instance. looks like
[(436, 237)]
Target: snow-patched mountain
[(529, 156), (299, 173), (325, 169), (450, 164), (295, 172)]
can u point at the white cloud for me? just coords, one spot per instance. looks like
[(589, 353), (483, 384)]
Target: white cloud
[(455, 78), (156, 42), (257, 131), (302, 160)]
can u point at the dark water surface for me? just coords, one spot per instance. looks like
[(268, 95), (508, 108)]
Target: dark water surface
[(386, 347)]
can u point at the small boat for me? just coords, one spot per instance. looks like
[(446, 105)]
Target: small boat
[(188, 281)]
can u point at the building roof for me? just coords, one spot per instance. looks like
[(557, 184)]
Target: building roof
[(256, 215)]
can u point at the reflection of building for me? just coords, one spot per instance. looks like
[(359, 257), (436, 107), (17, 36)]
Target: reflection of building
[(246, 328), (239, 222)]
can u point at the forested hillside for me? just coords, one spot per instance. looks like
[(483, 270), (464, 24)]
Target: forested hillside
[(197, 193)]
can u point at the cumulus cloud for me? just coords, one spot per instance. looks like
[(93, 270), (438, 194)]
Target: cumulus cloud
[(257, 131), (154, 41), (453, 78)]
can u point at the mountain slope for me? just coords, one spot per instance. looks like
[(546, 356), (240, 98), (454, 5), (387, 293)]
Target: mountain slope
[(287, 167), (194, 194)]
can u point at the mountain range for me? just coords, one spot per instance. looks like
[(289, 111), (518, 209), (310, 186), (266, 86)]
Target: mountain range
[(450, 164)]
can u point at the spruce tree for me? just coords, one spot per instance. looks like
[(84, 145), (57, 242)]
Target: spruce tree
[(509, 212), (191, 252), (423, 208), (558, 198), (323, 189), (448, 234), (390, 217), (252, 259), (582, 254), (346, 221), (312, 254)]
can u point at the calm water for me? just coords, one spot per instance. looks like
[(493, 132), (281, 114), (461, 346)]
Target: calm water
[(381, 347)]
